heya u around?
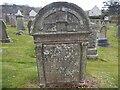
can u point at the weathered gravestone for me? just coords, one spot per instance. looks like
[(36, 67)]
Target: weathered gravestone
[(102, 39), (92, 51), (61, 33), (4, 36), (29, 25), (13, 20), (20, 22), (7, 19)]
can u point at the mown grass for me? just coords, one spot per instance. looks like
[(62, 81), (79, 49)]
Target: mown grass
[(105, 69), (19, 69)]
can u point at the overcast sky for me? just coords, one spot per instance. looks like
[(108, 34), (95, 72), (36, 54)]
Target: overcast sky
[(84, 4)]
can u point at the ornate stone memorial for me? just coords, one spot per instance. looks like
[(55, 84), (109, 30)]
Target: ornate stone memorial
[(61, 33)]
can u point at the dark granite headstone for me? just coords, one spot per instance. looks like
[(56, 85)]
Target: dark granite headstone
[(102, 39)]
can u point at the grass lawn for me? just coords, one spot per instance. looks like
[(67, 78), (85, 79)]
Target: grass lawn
[(19, 69)]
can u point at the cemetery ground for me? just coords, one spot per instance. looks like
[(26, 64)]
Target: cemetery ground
[(19, 68)]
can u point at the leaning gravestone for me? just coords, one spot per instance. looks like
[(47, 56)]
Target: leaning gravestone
[(102, 39), (61, 33), (20, 22), (4, 37), (92, 51)]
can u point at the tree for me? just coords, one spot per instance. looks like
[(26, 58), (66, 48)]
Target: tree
[(111, 7)]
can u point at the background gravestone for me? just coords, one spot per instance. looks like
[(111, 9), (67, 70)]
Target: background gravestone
[(92, 51), (102, 39), (20, 22), (10, 16), (7, 19), (4, 37), (29, 26), (97, 22), (13, 21), (61, 31)]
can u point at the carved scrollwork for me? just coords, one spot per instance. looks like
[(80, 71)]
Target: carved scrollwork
[(85, 43)]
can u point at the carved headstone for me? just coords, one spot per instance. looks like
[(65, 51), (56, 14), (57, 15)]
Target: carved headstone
[(20, 22), (102, 39), (92, 51), (4, 36), (61, 33)]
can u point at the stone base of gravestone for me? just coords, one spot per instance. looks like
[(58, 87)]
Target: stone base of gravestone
[(103, 42), (92, 53), (20, 32), (7, 40)]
